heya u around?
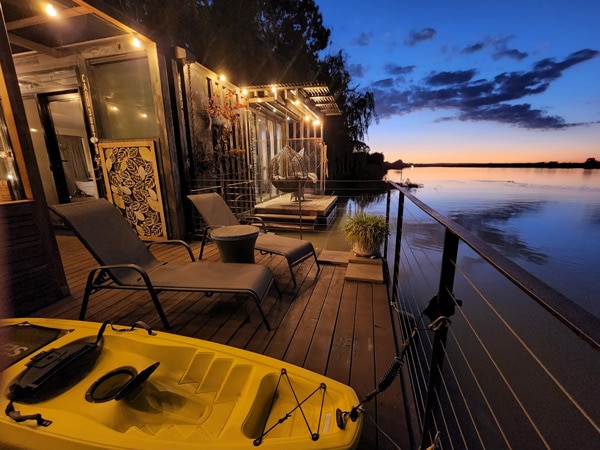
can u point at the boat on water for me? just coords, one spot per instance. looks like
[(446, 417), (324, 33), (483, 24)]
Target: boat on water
[(85, 385)]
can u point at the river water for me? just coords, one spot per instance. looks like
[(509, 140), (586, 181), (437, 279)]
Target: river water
[(548, 222), (545, 220)]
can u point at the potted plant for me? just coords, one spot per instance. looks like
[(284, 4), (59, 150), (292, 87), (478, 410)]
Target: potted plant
[(365, 232)]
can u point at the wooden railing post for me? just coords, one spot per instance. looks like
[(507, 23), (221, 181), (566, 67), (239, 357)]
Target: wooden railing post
[(440, 306)]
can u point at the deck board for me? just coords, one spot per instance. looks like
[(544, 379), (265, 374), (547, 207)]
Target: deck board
[(341, 328)]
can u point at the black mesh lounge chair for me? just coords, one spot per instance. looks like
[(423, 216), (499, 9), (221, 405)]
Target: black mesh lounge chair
[(127, 263), (216, 213)]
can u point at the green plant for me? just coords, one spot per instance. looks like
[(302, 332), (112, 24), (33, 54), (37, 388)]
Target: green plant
[(366, 232)]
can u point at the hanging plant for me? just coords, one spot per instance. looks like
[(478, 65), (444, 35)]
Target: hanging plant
[(223, 115), (236, 152)]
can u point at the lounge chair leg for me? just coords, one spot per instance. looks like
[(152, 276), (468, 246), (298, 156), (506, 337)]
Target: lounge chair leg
[(204, 239), (262, 313), (86, 294), (317, 263), (158, 307), (292, 273)]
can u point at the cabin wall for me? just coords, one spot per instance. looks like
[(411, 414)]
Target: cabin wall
[(31, 273), (43, 74)]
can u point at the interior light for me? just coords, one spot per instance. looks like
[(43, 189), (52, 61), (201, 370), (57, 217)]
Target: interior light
[(136, 42), (50, 10)]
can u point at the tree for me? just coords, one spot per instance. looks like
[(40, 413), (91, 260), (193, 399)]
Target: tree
[(294, 30), (263, 42), (346, 134)]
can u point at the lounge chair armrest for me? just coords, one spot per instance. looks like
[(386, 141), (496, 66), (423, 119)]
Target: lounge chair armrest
[(135, 267), (257, 222), (206, 237), (174, 242)]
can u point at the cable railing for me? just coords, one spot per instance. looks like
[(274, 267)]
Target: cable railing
[(496, 358), (502, 360)]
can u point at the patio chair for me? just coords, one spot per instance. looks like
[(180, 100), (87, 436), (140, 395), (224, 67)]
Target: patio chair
[(216, 213), (126, 262)]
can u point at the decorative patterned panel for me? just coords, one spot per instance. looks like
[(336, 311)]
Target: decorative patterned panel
[(132, 185)]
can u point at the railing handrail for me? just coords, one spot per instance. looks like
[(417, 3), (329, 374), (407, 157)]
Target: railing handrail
[(583, 323)]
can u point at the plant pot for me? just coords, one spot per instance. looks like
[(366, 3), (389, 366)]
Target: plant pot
[(365, 250)]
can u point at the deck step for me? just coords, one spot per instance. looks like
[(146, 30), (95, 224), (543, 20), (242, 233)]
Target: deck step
[(287, 217), (289, 221)]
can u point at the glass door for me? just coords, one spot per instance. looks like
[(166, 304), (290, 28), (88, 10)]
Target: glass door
[(67, 144)]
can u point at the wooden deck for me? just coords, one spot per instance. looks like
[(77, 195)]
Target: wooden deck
[(343, 329)]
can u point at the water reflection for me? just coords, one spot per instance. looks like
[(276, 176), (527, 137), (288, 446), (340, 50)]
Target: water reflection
[(591, 215), (492, 226)]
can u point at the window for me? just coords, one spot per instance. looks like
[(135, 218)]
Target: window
[(125, 99), (10, 181)]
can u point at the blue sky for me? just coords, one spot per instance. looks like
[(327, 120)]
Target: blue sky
[(475, 80)]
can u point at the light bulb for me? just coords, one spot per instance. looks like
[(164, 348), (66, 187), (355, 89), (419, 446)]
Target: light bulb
[(50, 10)]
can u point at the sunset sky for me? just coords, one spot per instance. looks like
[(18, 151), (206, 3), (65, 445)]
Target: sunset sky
[(475, 81)]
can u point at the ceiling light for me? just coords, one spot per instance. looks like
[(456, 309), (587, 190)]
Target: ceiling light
[(136, 42), (50, 10)]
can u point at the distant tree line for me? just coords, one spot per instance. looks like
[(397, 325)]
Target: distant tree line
[(264, 42), (590, 163)]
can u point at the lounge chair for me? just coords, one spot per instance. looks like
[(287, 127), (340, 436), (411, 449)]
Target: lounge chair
[(127, 263), (216, 213)]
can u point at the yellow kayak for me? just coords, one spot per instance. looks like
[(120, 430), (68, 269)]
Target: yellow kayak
[(82, 385)]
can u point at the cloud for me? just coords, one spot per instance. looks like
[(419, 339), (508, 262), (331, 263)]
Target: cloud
[(417, 36), (498, 47), (510, 53), (363, 39), (443, 78), (394, 69), (357, 70), (385, 83), (473, 48), (495, 99), (521, 115)]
